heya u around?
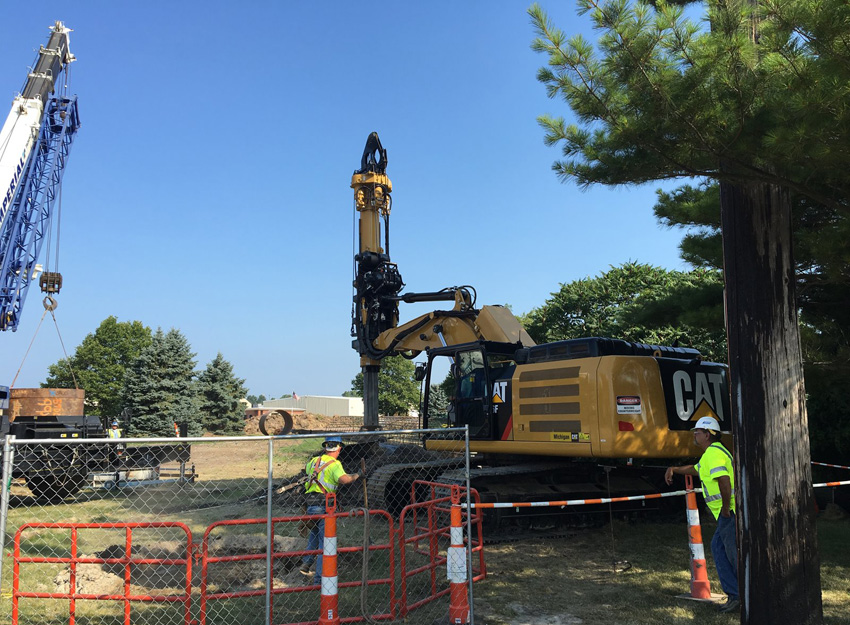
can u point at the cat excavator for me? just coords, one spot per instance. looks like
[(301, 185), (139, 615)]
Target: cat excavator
[(579, 418)]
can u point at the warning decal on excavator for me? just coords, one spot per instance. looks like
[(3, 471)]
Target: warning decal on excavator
[(628, 404), (571, 437)]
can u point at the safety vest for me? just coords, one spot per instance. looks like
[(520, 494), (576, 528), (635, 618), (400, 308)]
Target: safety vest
[(715, 462), (324, 473), (114, 432)]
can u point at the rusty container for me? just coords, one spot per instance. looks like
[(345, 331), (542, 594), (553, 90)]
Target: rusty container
[(46, 402)]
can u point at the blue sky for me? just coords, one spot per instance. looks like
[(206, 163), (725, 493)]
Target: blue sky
[(208, 187)]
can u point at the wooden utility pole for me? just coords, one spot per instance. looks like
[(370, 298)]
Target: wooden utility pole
[(778, 563)]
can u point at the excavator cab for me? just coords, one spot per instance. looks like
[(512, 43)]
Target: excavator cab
[(478, 371)]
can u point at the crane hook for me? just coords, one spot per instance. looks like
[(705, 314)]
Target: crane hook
[(49, 303)]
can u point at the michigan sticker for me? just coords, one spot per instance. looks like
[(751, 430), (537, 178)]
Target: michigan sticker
[(570, 437)]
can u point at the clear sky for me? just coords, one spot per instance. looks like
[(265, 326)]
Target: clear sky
[(208, 187)]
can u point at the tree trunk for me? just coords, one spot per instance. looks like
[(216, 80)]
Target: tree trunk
[(779, 567)]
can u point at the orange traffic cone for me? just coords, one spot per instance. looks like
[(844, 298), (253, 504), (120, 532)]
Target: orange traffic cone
[(456, 562), (329, 599), (700, 587)]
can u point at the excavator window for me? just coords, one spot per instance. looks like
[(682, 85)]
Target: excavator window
[(471, 402)]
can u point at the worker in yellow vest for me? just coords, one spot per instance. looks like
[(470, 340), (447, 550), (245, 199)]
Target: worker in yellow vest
[(324, 475), (718, 488), (114, 431)]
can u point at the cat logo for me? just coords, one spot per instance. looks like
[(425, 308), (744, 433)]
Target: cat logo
[(694, 389), (499, 392)]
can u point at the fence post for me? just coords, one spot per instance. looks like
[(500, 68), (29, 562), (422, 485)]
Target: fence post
[(329, 599), (700, 588), (8, 456), (269, 526), (456, 562)]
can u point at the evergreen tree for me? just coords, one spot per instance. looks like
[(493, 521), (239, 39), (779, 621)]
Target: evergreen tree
[(398, 392), (820, 236), (220, 392), (438, 401), (160, 388), (758, 104), (99, 364)]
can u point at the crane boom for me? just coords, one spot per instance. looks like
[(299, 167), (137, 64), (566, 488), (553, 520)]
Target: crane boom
[(34, 145)]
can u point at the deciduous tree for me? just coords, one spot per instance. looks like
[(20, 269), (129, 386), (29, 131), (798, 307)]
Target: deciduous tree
[(398, 392), (99, 364), (640, 303)]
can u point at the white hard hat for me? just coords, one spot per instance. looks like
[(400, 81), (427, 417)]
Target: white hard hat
[(707, 423)]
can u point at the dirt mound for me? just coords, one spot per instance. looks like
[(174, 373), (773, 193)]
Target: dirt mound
[(91, 579), (108, 578), (304, 423)]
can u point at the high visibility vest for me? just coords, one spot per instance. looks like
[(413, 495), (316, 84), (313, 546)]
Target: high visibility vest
[(114, 432), (715, 462), (324, 473)]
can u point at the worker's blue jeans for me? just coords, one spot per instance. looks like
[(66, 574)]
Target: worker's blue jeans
[(724, 550), (316, 540)]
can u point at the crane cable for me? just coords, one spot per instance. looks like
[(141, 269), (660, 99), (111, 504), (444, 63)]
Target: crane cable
[(49, 306)]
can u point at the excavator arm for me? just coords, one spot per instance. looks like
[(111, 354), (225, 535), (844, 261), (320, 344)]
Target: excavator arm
[(378, 284)]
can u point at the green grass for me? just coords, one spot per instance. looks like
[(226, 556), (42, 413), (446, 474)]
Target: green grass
[(574, 577)]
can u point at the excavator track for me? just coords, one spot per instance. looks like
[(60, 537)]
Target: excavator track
[(389, 486)]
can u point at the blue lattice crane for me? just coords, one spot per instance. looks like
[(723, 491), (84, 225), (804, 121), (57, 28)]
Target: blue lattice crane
[(34, 146)]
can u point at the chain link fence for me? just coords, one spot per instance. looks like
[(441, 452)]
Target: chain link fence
[(215, 531)]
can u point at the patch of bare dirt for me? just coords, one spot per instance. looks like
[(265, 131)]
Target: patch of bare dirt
[(108, 578)]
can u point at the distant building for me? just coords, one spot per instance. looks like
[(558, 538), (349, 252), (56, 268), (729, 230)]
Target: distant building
[(320, 405)]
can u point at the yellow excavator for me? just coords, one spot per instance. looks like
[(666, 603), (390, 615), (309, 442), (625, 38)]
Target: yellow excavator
[(569, 419)]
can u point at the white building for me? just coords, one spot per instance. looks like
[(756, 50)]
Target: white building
[(320, 405)]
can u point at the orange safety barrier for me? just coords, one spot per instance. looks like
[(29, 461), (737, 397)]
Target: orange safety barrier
[(436, 510), (206, 560), (127, 561), (834, 466), (429, 519), (575, 502)]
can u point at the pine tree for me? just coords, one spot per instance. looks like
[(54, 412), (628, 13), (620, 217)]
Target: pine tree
[(220, 394), (160, 388), (438, 401), (757, 103)]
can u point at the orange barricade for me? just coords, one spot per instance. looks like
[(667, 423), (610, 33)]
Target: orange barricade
[(436, 535), (429, 522), (126, 562), (206, 596)]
